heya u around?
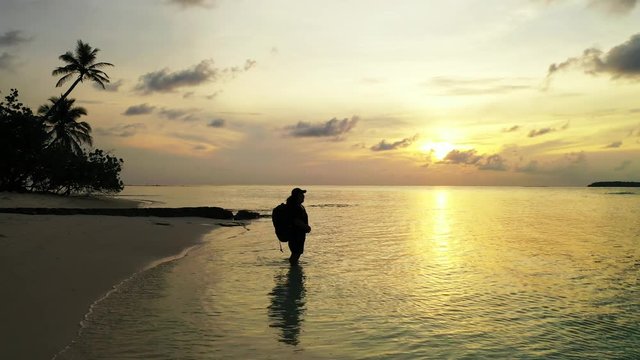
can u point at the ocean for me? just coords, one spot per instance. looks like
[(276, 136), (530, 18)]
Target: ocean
[(388, 273)]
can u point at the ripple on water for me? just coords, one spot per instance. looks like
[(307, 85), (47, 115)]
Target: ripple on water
[(412, 273)]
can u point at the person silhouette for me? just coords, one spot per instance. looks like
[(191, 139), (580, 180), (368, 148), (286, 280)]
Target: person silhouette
[(287, 305), (300, 224)]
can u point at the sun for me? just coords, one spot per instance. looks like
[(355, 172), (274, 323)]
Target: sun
[(438, 150)]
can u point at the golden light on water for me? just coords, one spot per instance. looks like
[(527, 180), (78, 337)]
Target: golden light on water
[(432, 235), (441, 228)]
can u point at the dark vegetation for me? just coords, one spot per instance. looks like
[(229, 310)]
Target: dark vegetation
[(615, 184), (205, 212), (51, 151)]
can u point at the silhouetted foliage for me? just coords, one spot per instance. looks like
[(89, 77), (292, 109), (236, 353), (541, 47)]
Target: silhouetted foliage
[(65, 172), (64, 130), (615, 184), (22, 142), (46, 155), (81, 63)]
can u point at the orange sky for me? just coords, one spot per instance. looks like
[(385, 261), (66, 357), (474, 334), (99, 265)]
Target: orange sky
[(494, 92)]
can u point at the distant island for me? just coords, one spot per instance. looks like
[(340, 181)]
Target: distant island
[(615, 184)]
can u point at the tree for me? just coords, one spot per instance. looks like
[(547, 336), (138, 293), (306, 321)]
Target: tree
[(66, 173), (81, 64), (64, 130), (22, 144)]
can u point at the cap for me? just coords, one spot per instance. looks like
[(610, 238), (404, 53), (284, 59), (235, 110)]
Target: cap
[(297, 191)]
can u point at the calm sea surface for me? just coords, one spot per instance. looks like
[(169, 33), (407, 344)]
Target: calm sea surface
[(389, 273)]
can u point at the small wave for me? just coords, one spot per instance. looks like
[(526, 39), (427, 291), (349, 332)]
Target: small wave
[(115, 288), (140, 198), (623, 193), (331, 205)]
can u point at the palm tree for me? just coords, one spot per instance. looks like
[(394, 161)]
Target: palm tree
[(81, 63), (63, 128)]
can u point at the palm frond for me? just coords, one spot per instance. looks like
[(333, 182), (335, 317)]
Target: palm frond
[(81, 62), (68, 58), (63, 70), (100, 80), (64, 79), (76, 113), (75, 147), (101, 65), (85, 54), (85, 126), (43, 109), (82, 138), (98, 72)]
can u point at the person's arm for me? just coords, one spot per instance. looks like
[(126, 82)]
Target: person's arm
[(298, 223)]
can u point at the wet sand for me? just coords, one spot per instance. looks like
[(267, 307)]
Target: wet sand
[(53, 268)]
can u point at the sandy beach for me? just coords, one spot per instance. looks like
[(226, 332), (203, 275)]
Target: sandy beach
[(52, 268)]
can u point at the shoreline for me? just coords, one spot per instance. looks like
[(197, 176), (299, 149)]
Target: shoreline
[(82, 323), (54, 269)]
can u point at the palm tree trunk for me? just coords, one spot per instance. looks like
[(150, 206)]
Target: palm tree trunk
[(64, 96)]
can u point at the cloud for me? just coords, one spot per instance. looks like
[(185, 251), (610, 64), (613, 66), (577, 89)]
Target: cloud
[(466, 157), (618, 7), (333, 128), (576, 158), (614, 145), (232, 72), (385, 146), (141, 109), (539, 132), (12, 38), (625, 164), (193, 3), (531, 167), (213, 95), (217, 123), (493, 162), (111, 86), (179, 114), (511, 129), (249, 64), (122, 130), (167, 81), (7, 61), (479, 86), (614, 6), (622, 61), (189, 137)]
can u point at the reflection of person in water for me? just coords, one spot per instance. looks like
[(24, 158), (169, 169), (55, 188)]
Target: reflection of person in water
[(287, 305)]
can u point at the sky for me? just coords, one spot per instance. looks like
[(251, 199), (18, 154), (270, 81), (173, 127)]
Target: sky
[(350, 92)]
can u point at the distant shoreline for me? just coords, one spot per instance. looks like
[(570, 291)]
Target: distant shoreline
[(615, 184)]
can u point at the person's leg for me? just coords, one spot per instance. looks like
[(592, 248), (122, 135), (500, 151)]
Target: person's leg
[(293, 259), (296, 245)]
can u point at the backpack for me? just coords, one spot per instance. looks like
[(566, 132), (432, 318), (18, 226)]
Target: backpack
[(282, 222)]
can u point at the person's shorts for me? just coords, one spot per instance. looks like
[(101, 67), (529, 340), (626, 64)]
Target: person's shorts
[(296, 245)]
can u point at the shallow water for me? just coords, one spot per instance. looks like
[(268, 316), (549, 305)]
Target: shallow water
[(388, 272)]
